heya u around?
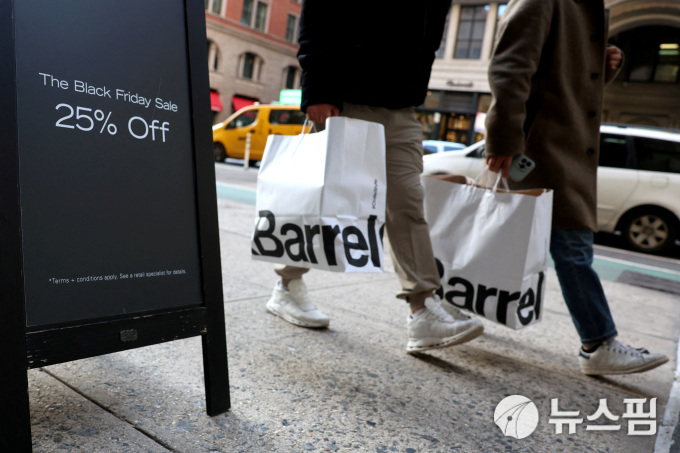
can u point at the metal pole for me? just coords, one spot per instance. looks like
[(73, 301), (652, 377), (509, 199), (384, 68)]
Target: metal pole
[(246, 157)]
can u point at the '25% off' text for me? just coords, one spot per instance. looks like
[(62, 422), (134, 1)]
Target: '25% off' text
[(85, 119)]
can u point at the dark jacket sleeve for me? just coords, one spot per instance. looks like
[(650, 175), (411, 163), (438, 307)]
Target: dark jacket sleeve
[(321, 51), (523, 31)]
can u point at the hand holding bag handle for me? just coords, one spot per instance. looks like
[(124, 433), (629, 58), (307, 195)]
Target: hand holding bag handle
[(485, 173)]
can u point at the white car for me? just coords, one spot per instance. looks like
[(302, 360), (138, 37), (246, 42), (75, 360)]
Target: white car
[(440, 146), (638, 183)]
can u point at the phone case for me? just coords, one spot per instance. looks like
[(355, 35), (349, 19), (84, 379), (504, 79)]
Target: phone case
[(521, 166)]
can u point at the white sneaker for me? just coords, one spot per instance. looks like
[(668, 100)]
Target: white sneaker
[(455, 312), (614, 357), (294, 306), (434, 328)]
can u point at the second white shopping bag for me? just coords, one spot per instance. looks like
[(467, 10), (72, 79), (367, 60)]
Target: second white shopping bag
[(321, 198), (491, 247)]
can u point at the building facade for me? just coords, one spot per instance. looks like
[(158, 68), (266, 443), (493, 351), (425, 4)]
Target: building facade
[(252, 46), (646, 92)]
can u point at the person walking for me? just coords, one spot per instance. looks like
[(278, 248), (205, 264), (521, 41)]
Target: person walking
[(547, 75), (372, 61)]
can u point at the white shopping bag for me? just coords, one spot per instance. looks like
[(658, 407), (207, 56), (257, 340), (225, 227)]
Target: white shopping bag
[(321, 198), (491, 247)]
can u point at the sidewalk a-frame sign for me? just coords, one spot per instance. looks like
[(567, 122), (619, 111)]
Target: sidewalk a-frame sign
[(108, 218)]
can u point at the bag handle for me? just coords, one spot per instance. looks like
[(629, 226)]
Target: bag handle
[(485, 173), (302, 135)]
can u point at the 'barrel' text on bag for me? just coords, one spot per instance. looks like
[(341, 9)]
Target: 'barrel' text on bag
[(298, 241)]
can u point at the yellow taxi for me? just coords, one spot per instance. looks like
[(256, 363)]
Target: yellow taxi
[(258, 121)]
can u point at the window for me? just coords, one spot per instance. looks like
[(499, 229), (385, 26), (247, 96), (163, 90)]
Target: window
[(668, 62), (213, 56), (243, 120), (291, 77), (477, 152), (250, 66), (442, 45), (261, 16), (501, 11), (214, 6), (247, 14), (657, 155), (254, 15), (291, 28), (287, 117), (613, 151), (471, 32), (652, 54), (217, 6)]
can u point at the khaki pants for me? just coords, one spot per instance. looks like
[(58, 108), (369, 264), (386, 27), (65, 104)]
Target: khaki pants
[(405, 223)]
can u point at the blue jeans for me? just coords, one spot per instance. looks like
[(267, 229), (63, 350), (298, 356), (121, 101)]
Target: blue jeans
[(572, 251)]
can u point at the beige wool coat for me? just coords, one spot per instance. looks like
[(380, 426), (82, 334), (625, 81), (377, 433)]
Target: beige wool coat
[(547, 77)]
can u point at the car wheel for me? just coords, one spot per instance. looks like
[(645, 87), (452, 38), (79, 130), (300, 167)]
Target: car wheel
[(650, 230), (219, 151)]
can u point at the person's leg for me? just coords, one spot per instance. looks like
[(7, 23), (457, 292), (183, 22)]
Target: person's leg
[(429, 326), (404, 220), (572, 251), (289, 273), (601, 353), (406, 227)]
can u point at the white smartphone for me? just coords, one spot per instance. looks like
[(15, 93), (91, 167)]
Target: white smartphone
[(521, 166)]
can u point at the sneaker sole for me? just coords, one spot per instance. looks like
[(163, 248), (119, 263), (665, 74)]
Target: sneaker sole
[(273, 309), (462, 337), (644, 367)]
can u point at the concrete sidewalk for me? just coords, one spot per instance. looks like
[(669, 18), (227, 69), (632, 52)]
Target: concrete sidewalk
[(352, 387)]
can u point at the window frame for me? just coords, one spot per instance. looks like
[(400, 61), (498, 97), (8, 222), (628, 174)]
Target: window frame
[(214, 59), (249, 61), (260, 23), (250, 66), (247, 18), (292, 32), (251, 17), (645, 154), (630, 152), (296, 117), (249, 114), (290, 72), (473, 22), (210, 6)]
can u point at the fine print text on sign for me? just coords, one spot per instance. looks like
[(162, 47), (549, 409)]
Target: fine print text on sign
[(114, 277)]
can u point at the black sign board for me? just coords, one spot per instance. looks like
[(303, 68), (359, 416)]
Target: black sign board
[(108, 222)]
